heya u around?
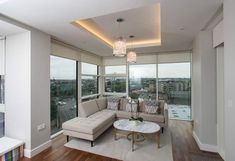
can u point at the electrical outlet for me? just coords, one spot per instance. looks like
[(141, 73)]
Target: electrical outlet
[(41, 126)]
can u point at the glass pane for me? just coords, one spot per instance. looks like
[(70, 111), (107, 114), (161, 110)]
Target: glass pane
[(174, 86), (115, 69), (115, 84), (2, 89), (142, 81), (1, 124), (63, 91), (89, 69), (2, 101), (89, 85)]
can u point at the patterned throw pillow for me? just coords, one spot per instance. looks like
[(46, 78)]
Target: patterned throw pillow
[(131, 108), (151, 107), (113, 103)]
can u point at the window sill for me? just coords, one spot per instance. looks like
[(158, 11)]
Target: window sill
[(89, 96), (8, 144), (115, 94)]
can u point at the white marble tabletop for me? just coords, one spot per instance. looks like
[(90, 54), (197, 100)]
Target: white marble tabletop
[(141, 127)]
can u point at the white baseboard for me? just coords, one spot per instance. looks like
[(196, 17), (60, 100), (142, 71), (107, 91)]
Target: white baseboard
[(205, 147), (30, 153), (222, 154)]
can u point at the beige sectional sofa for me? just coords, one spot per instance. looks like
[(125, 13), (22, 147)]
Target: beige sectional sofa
[(94, 118)]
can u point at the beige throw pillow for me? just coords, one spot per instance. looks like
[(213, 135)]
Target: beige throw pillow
[(151, 107), (131, 108), (113, 103)]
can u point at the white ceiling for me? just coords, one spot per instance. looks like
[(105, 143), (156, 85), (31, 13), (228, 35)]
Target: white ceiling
[(54, 17), (140, 22)]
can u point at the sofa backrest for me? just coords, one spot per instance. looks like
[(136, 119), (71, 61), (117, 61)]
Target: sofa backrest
[(88, 108), (101, 103)]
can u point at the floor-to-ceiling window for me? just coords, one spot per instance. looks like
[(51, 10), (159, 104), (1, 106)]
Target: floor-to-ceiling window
[(142, 81), (2, 85), (63, 91), (90, 81), (174, 86), (2, 91), (1, 124)]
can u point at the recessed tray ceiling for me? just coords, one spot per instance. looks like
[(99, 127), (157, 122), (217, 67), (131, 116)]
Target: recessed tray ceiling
[(144, 23)]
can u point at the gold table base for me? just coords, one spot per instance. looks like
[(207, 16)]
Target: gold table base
[(135, 137)]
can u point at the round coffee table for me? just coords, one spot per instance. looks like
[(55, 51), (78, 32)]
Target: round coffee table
[(134, 128)]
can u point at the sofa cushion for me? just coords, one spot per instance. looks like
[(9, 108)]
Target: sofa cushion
[(153, 118), (92, 124), (123, 103), (160, 104), (131, 107), (102, 103), (113, 103), (123, 114), (88, 108), (150, 109), (151, 106)]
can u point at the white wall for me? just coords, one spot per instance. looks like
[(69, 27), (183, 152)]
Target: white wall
[(204, 91), (218, 34), (17, 88), (28, 87), (196, 86), (229, 78), (40, 87), (220, 99)]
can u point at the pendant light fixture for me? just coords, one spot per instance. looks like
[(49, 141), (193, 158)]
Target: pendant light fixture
[(131, 56), (119, 46)]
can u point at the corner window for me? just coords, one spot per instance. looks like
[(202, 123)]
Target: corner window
[(2, 101)]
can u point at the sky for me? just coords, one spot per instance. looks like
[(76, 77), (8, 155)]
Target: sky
[(62, 68)]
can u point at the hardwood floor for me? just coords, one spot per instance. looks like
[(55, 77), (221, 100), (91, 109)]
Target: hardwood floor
[(58, 152), (183, 144)]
